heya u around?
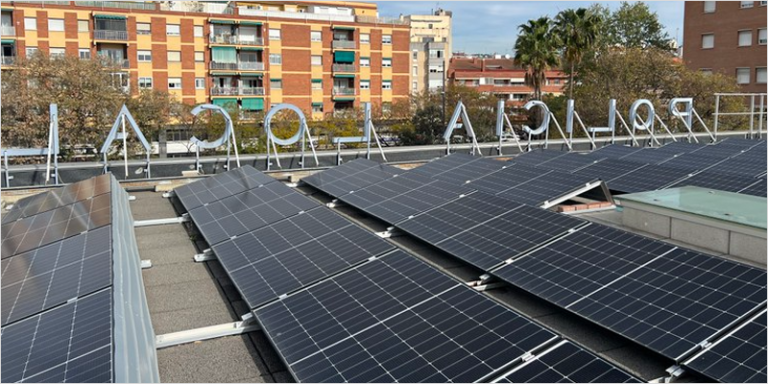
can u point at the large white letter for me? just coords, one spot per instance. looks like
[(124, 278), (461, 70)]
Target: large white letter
[(293, 139), (648, 122), (544, 123)]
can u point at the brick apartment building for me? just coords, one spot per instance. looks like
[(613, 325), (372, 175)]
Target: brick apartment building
[(320, 56), (727, 37), (501, 77)]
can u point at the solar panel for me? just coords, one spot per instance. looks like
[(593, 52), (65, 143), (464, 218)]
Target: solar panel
[(651, 155), (219, 186), (668, 301), (45, 228), (472, 170), (245, 212), (443, 164), (509, 177), (58, 197), (719, 152), (396, 319), (739, 357), (293, 253), (569, 162), (756, 189), (351, 176), (609, 169), (739, 142), (648, 178), (485, 231), (69, 343), (51, 275), (696, 161), (614, 151), (537, 157), (742, 165), (713, 180), (547, 188), (567, 363)]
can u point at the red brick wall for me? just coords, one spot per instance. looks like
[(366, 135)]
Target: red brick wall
[(42, 46), (297, 84), (42, 24), (375, 85), (21, 48), (134, 83), (401, 40), (376, 39), (295, 35), (159, 56), (131, 28), (70, 25), (327, 37), (188, 84), (187, 29), (160, 80), (133, 59), (187, 57), (295, 60), (18, 20), (400, 85), (189, 100), (72, 49), (400, 62), (158, 30)]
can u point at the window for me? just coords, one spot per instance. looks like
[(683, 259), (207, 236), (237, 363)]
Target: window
[(742, 75), (709, 6), (145, 82), (365, 38), (415, 55), (172, 30), (316, 36), (435, 53), (57, 52), (145, 56), (30, 24), (275, 59), (56, 25), (317, 107), (317, 84), (761, 37), (386, 84), (274, 34), (198, 30), (365, 84), (199, 83), (83, 26), (174, 83), (143, 29), (747, 4), (84, 53), (745, 38), (763, 3), (365, 62), (276, 83), (760, 75), (707, 41), (435, 69), (386, 39), (317, 60), (415, 85), (174, 56), (706, 71), (415, 70), (199, 57), (31, 51), (386, 62)]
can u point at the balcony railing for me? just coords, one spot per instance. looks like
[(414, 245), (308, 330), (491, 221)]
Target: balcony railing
[(245, 11), (8, 30), (344, 44), (104, 34), (224, 91), (343, 67), (231, 66), (253, 91), (9, 60), (250, 66), (234, 39), (343, 91)]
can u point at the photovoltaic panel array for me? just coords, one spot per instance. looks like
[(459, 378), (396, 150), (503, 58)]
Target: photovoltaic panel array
[(443, 164), (567, 363), (472, 170), (275, 260), (609, 170), (569, 162), (756, 189), (216, 187), (667, 299), (486, 231), (615, 151), (234, 215), (719, 181), (511, 176), (538, 156), (548, 188), (351, 176), (58, 197), (396, 319), (738, 357), (648, 178)]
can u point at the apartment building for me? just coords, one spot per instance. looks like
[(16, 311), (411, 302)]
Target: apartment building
[(501, 77), (320, 56), (430, 49), (727, 37)]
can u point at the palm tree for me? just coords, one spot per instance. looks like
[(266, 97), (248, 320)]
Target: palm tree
[(536, 51), (576, 32)]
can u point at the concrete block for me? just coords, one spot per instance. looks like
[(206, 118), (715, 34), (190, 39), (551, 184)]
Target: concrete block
[(647, 222), (190, 173), (703, 236), (749, 247)]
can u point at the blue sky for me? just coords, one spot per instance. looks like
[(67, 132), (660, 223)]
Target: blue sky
[(491, 26)]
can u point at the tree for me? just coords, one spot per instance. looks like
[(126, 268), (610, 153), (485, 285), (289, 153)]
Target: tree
[(633, 25), (536, 50), (576, 32)]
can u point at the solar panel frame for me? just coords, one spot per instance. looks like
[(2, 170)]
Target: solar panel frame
[(648, 178), (610, 169), (712, 179), (58, 197), (472, 170), (217, 187), (548, 187), (758, 188), (351, 176)]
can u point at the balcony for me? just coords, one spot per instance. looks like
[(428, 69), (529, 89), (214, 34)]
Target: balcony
[(250, 66), (9, 60), (343, 67), (223, 39), (229, 66), (344, 44), (235, 40), (103, 34), (252, 91), (224, 91), (343, 91), (245, 11), (8, 30)]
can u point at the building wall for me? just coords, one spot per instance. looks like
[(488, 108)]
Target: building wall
[(429, 32), (725, 23), (294, 45)]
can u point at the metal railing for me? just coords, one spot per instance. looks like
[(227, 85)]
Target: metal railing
[(252, 91), (343, 91), (103, 34), (380, 20), (149, 6), (343, 67), (234, 39), (215, 65), (8, 30), (344, 44), (9, 60), (224, 91), (294, 15), (250, 66), (758, 107)]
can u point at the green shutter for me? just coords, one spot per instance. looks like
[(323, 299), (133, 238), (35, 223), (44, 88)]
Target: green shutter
[(224, 54), (7, 9), (345, 76), (8, 41), (344, 57), (253, 104), (223, 74), (250, 22), (342, 28), (317, 81), (320, 104), (251, 49), (109, 17), (226, 102), (221, 21), (244, 74)]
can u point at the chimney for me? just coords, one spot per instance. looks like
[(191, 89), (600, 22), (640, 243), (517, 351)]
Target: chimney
[(482, 65)]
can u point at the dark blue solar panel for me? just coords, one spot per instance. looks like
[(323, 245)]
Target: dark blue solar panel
[(219, 186), (351, 176)]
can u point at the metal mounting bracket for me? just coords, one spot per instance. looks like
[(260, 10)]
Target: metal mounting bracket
[(205, 333), (207, 255), (170, 220), (146, 264), (169, 194), (131, 198)]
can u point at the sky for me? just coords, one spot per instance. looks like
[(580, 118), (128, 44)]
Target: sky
[(491, 26)]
